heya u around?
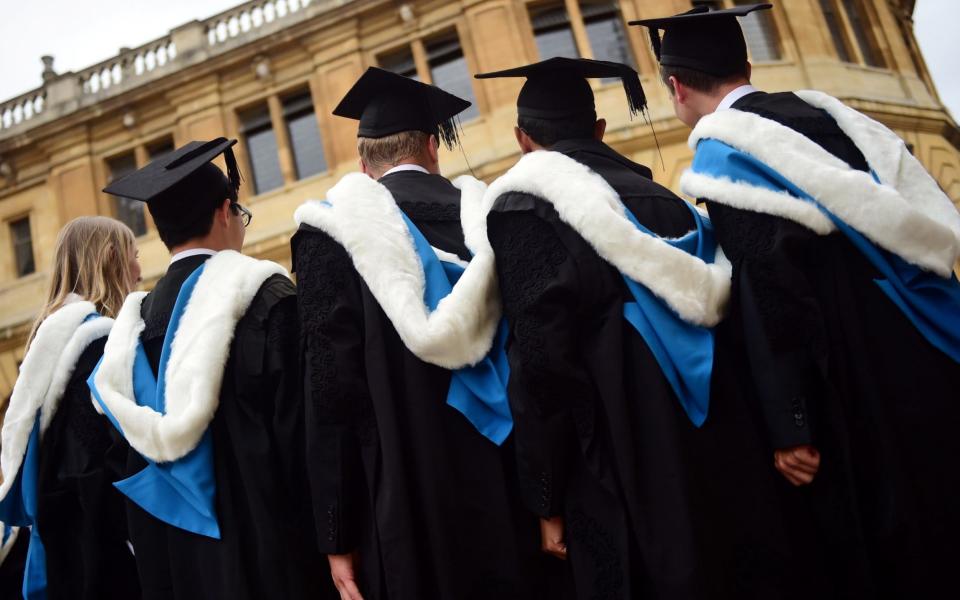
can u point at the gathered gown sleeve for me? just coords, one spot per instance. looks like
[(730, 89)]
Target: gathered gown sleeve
[(540, 287), (782, 324), (334, 386)]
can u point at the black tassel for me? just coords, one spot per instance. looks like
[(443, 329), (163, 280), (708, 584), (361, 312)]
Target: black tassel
[(449, 132), (636, 98), (646, 117), (233, 171), (655, 42)]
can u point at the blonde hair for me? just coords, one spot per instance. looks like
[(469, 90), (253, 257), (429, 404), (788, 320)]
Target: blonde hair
[(92, 259), (385, 152)]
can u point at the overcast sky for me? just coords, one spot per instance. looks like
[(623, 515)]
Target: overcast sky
[(79, 33)]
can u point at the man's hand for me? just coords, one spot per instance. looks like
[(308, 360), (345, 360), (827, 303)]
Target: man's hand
[(551, 537), (798, 464), (341, 569)]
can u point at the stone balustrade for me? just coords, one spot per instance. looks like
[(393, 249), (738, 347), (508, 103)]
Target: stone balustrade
[(21, 109), (127, 65), (249, 16), (192, 42)]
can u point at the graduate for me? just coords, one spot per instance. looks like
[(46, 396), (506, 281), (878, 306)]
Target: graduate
[(632, 438), (199, 381), (408, 425), (68, 540), (843, 249)]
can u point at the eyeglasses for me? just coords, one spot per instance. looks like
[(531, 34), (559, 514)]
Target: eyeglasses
[(242, 212)]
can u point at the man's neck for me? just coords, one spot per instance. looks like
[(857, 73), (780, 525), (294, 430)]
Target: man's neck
[(713, 101), (198, 244)]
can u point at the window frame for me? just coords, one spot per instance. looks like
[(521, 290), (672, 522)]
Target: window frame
[(273, 97), (292, 112), (417, 45), (852, 42), (10, 222), (243, 135), (137, 153)]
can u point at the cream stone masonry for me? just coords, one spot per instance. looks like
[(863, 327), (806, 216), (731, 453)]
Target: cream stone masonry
[(60, 143)]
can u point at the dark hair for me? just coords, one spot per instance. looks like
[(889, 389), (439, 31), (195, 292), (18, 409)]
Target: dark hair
[(548, 132), (698, 80), (185, 211)]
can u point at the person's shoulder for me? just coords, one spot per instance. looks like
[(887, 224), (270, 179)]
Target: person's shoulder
[(274, 289), (307, 243), (785, 108), (88, 360), (517, 201)]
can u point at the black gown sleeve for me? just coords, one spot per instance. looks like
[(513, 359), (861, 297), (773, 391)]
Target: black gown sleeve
[(782, 323), (334, 384), (80, 513), (540, 287), (281, 379)]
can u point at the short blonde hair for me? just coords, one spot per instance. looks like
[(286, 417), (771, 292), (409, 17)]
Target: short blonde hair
[(92, 259), (385, 152)]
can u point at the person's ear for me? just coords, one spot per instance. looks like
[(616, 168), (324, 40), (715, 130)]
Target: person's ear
[(433, 149), (365, 169), (680, 91), (749, 70), (599, 128), (523, 140), (224, 212)]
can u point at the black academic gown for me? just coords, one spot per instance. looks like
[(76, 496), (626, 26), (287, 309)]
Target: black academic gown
[(397, 475), (11, 570), (78, 508), (653, 507), (261, 495), (837, 365)]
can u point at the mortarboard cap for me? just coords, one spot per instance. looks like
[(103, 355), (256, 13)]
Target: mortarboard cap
[(188, 165), (557, 88), (709, 41), (183, 187), (386, 103)]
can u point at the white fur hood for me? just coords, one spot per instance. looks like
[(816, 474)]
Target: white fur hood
[(906, 213), (363, 217), (696, 290), (198, 356), (44, 375)]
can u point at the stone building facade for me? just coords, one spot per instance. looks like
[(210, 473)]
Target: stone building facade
[(268, 72)]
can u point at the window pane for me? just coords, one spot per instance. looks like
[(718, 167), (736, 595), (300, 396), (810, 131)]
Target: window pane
[(127, 210), (551, 29), (836, 29), (400, 62), (608, 38), (760, 33), (22, 246), (861, 30), (304, 135), (448, 69), (262, 150)]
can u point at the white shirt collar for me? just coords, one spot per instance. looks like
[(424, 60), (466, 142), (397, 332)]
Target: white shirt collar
[(191, 252), (399, 168), (735, 95)]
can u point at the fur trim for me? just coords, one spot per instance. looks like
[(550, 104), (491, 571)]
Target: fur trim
[(8, 545), (198, 356), (906, 214), (756, 199), (364, 218), (44, 375), (696, 290)]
